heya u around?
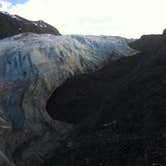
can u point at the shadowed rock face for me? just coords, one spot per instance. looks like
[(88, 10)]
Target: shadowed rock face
[(119, 111), (4, 160), (31, 67), (148, 43), (12, 24)]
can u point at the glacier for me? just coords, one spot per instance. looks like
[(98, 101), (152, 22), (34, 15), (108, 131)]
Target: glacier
[(20, 55), (27, 60), (32, 66)]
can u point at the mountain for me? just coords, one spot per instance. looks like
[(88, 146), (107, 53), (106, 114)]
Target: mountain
[(32, 66), (118, 111), (80, 100), (12, 24)]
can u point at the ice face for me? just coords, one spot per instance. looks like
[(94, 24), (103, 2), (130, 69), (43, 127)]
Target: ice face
[(22, 55)]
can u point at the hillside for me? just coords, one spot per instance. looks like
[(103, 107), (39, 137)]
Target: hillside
[(12, 24), (119, 111)]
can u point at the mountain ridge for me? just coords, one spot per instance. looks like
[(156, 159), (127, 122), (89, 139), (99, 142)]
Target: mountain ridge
[(11, 25)]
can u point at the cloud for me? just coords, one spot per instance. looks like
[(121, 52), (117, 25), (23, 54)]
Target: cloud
[(130, 18), (5, 5)]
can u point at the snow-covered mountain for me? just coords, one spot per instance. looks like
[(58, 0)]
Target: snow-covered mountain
[(13, 24)]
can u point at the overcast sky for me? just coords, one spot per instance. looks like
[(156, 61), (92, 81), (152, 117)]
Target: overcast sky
[(129, 18)]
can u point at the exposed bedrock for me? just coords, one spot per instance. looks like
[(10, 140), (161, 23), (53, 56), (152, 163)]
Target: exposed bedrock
[(31, 68)]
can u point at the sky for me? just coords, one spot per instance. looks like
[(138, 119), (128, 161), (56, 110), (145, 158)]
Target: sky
[(128, 18)]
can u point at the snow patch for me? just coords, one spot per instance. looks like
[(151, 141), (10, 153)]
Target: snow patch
[(12, 16)]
